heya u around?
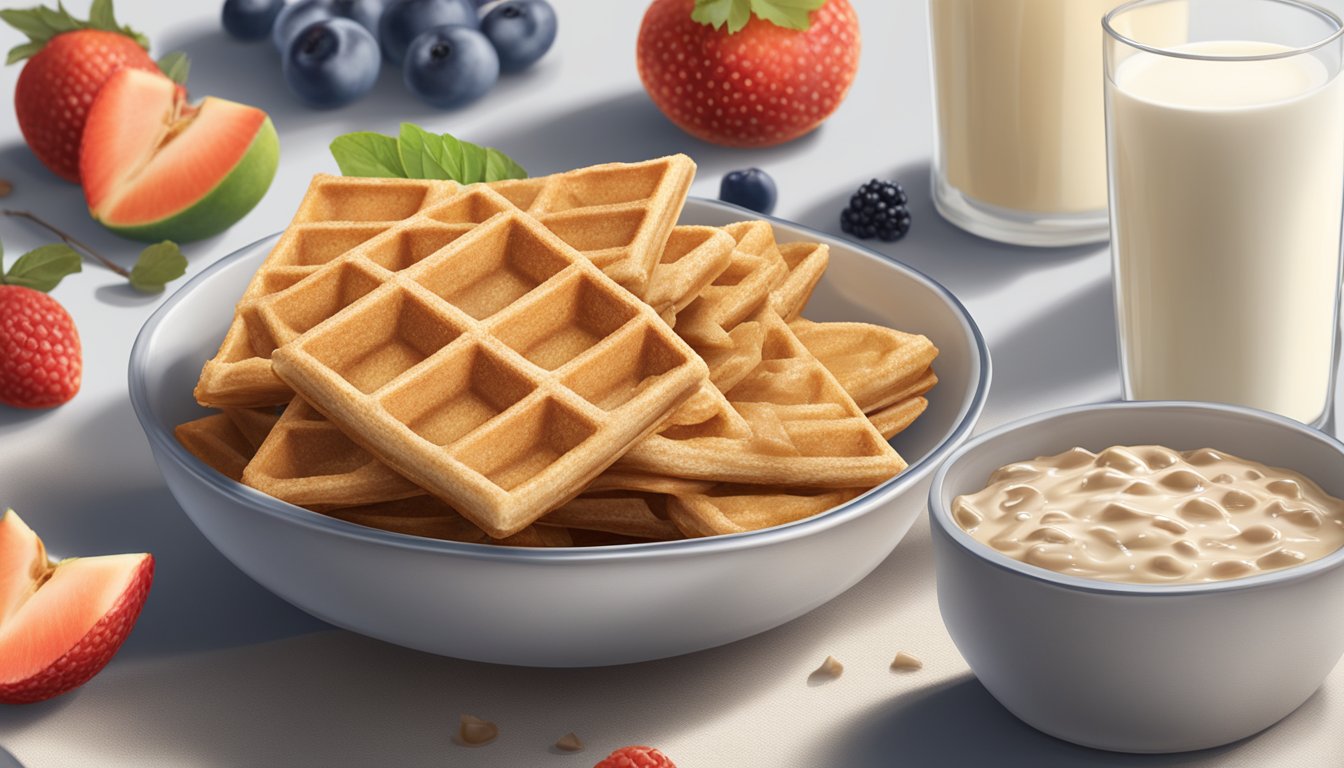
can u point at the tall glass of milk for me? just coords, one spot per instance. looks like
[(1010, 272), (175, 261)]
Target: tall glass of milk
[(1021, 148), (1226, 163)]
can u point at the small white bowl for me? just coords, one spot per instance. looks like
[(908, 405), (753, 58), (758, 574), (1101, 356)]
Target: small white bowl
[(1140, 667), (563, 607)]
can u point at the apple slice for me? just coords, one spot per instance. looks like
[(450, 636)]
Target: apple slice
[(157, 168), (60, 623)]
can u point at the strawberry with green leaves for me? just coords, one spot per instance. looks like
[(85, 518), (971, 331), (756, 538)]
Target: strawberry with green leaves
[(69, 59), (748, 73), (41, 361)]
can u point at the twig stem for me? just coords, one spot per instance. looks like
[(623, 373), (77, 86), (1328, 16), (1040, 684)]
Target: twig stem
[(69, 240)]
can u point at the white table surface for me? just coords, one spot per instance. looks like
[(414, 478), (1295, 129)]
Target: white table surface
[(221, 673)]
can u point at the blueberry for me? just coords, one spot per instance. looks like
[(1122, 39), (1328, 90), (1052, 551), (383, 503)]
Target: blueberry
[(450, 66), (405, 20), (752, 189), (297, 16), (332, 62), (250, 19), (521, 31)]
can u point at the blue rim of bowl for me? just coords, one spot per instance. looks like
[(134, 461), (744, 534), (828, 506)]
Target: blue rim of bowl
[(942, 517), (165, 444)]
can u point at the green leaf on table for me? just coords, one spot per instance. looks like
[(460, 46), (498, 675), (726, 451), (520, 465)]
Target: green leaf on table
[(176, 66), (43, 268), (158, 265), (368, 154)]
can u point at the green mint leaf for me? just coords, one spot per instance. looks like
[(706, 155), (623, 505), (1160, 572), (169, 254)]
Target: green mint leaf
[(158, 265), (367, 154), (791, 14), (499, 166), (413, 147), (42, 268), (176, 66), (716, 13), (418, 154), (470, 159)]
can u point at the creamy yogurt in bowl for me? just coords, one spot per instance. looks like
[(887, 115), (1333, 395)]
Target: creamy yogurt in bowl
[(1149, 664)]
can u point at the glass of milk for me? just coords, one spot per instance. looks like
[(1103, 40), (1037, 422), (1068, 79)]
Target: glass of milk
[(1021, 148), (1226, 164)]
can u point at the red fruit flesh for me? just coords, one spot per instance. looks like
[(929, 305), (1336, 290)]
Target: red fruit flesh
[(760, 86), (139, 170), (61, 624), (636, 757), (57, 87), (40, 357)]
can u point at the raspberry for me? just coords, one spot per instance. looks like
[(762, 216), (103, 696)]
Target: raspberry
[(40, 360), (636, 757)]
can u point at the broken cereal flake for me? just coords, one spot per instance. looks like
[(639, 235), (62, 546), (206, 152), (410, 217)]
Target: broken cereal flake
[(906, 662), (475, 732), (569, 743), (830, 668)]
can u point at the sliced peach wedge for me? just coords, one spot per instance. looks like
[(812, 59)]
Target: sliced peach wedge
[(155, 167), (60, 623)]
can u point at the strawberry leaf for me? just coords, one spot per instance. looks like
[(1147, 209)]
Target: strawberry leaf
[(176, 66), (158, 265), (41, 24), (717, 13), (24, 51), (101, 15), (42, 268), (790, 14)]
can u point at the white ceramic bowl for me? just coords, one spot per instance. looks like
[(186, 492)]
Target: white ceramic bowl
[(563, 607), (1140, 667)]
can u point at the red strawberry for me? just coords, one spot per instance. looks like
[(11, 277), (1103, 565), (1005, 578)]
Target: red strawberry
[(636, 757), (68, 62), (40, 361), (748, 73)]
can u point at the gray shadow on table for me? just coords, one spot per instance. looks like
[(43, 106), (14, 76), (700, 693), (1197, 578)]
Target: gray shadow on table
[(625, 128), (199, 600), (7, 760), (960, 724), (1075, 341), (968, 265)]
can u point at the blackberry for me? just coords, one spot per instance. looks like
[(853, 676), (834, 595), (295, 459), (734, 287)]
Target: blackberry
[(878, 210)]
